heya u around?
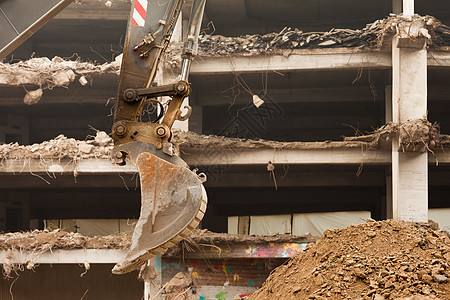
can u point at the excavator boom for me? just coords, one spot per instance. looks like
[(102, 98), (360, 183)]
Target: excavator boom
[(173, 199)]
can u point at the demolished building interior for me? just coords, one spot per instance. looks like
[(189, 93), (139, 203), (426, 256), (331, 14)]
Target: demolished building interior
[(307, 116)]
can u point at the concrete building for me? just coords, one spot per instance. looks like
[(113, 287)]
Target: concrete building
[(304, 177)]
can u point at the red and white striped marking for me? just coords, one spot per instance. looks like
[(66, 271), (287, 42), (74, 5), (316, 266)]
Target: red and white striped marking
[(139, 13)]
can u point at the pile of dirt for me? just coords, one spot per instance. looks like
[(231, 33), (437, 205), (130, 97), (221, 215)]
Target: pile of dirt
[(375, 260)]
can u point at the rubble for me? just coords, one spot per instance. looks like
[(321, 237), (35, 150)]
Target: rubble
[(61, 147), (101, 145), (376, 260), (47, 74), (413, 135), (41, 241), (371, 37), (59, 72), (205, 237), (33, 97)]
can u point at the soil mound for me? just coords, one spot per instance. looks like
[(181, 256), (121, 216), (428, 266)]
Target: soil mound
[(375, 260)]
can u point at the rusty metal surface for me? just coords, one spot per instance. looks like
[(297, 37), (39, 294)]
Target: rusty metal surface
[(173, 201), (137, 72)]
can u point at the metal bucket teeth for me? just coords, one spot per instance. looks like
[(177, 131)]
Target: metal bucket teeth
[(173, 202)]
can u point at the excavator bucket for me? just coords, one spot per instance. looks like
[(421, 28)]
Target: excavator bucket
[(173, 202)]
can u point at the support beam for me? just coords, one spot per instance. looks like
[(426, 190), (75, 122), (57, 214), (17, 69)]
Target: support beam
[(216, 157), (388, 118), (409, 102), (226, 156), (152, 290), (316, 59), (60, 256)]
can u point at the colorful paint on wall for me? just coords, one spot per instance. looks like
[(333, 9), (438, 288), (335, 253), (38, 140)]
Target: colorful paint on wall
[(273, 250), (221, 295)]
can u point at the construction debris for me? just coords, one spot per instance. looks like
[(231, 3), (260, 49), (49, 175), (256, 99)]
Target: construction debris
[(33, 97), (59, 72), (42, 241), (371, 37), (101, 145), (47, 74), (212, 239), (180, 282), (413, 135), (61, 147), (375, 260), (37, 242)]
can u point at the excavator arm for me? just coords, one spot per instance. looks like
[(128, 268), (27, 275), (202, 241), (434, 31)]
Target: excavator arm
[(173, 199)]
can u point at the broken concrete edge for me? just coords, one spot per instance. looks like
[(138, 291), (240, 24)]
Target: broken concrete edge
[(417, 135), (45, 240), (217, 244), (413, 136), (374, 37), (68, 153), (38, 242), (60, 147), (47, 74), (58, 72)]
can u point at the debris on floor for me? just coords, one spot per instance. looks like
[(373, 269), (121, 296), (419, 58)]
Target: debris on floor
[(45, 240), (61, 147), (413, 135), (40, 241), (101, 145), (375, 260), (371, 37), (49, 73)]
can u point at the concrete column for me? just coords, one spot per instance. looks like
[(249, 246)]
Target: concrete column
[(408, 7), (409, 102), (388, 118), (152, 290)]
